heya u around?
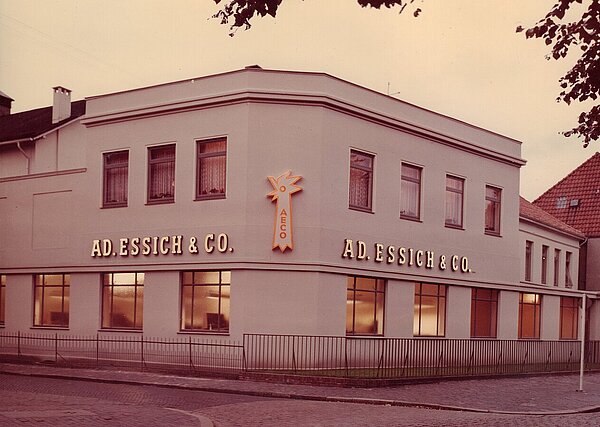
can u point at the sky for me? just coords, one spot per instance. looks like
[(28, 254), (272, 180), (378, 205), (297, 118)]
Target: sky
[(459, 58)]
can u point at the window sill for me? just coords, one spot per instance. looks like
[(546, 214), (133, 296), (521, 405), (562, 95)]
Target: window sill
[(128, 331), (160, 202), (361, 209), (362, 336), (113, 206), (207, 332), (484, 338), (529, 339), (411, 218), (437, 337), (215, 197), (455, 227), (50, 328), (493, 234)]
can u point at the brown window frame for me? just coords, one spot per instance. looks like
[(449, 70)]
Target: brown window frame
[(351, 183), (2, 298), (544, 272), (461, 193), (106, 167), (39, 283), (409, 179), (109, 323), (528, 260), (572, 304), (199, 157), (485, 296), (168, 198), (497, 202), (537, 315), (379, 289), (223, 283), (441, 296)]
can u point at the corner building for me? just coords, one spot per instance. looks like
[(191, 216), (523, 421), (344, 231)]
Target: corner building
[(154, 212)]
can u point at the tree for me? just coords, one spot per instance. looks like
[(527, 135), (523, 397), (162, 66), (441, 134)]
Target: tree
[(581, 83)]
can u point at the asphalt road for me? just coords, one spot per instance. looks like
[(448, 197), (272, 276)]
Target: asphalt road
[(59, 402)]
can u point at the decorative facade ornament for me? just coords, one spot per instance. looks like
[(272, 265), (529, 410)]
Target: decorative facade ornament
[(283, 188)]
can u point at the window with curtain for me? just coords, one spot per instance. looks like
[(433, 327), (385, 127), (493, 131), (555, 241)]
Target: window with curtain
[(569, 317), (556, 266), (429, 310), (51, 300), (484, 312), (365, 302), (361, 181), (410, 192), (454, 201), (211, 171), (492, 210), (544, 264), (161, 174), (530, 309), (568, 279), (122, 300), (116, 167), (205, 298)]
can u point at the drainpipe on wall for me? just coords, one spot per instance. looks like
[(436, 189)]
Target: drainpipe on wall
[(26, 156)]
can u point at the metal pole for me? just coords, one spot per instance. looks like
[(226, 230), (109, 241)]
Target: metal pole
[(581, 362)]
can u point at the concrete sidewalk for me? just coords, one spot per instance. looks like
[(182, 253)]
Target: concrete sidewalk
[(538, 395)]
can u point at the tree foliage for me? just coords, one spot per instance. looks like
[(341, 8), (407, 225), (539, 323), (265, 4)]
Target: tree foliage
[(238, 13), (582, 82)]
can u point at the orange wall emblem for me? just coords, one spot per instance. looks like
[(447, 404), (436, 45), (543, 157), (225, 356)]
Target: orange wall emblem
[(283, 188)]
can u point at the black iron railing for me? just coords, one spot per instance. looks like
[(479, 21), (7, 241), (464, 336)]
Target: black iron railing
[(323, 356)]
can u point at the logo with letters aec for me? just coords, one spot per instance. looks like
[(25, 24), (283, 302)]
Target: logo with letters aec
[(283, 188)]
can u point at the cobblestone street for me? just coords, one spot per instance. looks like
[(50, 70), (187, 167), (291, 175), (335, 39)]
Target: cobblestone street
[(158, 400)]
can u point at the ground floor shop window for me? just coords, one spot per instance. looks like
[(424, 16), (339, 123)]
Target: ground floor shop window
[(569, 317), (530, 309), (429, 310), (484, 313), (364, 306), (2, 297), (205, 299), (51, 300), (122, 300)]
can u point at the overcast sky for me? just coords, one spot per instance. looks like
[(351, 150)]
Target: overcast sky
[(460, 58)]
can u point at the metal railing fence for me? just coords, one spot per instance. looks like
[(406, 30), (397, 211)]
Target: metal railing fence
[(322, 356)]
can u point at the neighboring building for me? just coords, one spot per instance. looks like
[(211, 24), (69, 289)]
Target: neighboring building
[(167, 210), (575, 200)]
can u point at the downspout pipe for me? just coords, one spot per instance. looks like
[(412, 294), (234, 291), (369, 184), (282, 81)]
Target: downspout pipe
[(26, 156)]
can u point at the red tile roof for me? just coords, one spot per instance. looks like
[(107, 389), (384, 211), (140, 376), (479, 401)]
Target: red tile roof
[(29, 124), (575, 199), (533, 213)]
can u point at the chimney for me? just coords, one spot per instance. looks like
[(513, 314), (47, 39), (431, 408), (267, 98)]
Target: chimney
[(61, 107), (5, 104)]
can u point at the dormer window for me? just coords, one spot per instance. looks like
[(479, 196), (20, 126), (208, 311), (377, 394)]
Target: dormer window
[(561, 202)]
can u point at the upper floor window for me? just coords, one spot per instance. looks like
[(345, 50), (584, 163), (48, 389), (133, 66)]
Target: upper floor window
[(116, 167), (161, 174), (211, 173), (122, 300), (51, 300), (361, 181), (568, 280), (528, 260), (2, 297), (492, 209), (556, 266), (454, 201), (544, 264), (484, 312), (410, 192), (205, 297), (429, 310), (364, 305), (530, 309)]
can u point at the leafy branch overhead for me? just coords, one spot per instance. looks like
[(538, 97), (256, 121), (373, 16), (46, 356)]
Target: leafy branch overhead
[(238, 13), (582, 82)]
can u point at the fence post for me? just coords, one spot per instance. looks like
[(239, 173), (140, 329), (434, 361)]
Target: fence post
[(97, 350), (55, 347), (19, 343), (142, 352), (191, 360)]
